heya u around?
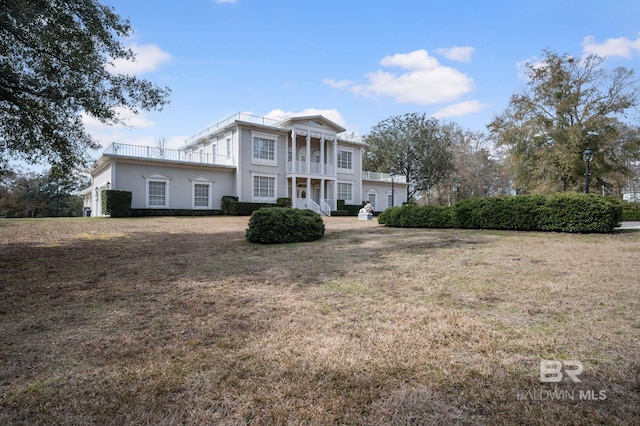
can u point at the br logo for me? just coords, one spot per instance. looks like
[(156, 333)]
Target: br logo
[(551, 371)]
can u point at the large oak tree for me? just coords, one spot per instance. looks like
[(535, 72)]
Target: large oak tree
[(570, 104), (414, 145), (56, 64)]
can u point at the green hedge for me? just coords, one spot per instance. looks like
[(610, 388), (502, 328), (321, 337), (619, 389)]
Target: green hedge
[(116, 203), (413, 216), (284, 225), (284, 202), (231, 206), (241, 208), (564, 212), (173, 212), (630, 211), (226, 203), (352, 209)]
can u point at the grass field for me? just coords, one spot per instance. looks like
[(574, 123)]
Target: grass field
[(181, 321)]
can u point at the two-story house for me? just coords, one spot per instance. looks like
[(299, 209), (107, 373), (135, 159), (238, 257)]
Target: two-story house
[(257, 159)]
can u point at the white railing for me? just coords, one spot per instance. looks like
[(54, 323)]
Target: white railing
[(350, 137), (309, 204), (248, 118), (326, 207), (318, 169), (157, 153), (384, 177)]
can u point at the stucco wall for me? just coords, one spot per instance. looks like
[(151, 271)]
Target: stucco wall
[(249, 168), (382, 190), (131, 177)]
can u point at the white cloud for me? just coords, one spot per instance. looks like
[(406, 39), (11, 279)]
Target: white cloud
[(105, 134), (457, 53), (460, 109), (621, 46), (149, 57), (337, 84), (423, 80), (332, 114), (416, 60)]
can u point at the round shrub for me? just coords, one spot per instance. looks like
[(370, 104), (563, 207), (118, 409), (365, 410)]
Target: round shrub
[(276, 225)]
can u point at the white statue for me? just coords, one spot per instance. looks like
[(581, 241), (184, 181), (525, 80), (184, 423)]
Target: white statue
[(368, 208)]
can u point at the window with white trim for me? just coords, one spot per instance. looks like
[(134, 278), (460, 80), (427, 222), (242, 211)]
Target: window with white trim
[(264, 148), (157, 191), (264, 188), (229, 149), (345, 191), (372, 198), (200, 195), (389, 199), (345, 160)]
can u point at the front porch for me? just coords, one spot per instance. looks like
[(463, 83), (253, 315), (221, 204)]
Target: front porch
[(318, 195)]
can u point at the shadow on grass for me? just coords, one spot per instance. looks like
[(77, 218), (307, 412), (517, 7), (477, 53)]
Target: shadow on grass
[(161, 327)]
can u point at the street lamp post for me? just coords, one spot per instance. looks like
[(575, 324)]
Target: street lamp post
[(587, 155), (393, 194)]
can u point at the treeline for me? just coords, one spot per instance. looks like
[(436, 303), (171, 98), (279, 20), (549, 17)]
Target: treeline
[(30, 194)]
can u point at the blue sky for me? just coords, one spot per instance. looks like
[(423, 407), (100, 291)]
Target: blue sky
[(357, 62)]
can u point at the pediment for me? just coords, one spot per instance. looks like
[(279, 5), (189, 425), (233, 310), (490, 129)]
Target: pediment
[(318, 122)]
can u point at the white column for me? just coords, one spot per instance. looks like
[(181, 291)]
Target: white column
[(335, 156), (308, 153), (308, 188), (293, 151), (322, 190), (294, 189), (322, 162)]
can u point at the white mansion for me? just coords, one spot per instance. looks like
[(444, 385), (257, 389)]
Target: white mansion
[(257, 159)]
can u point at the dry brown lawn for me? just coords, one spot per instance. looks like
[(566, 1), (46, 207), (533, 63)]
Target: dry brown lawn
[(181, 321)]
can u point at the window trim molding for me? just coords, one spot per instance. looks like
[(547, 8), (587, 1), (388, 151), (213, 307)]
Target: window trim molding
[(375, 195), (267, 136), (338, 190), (255, 199), (340, 169), (157, 177), (201, 180)]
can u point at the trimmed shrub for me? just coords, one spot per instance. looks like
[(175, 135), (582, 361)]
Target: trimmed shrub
[(116, 203), (278, 225), (564, 212), (352, 209), (283, 202), (414, 216), (521, 212), (241, 208), (226, 203), (173, 212), (630, 211), (573, 212)]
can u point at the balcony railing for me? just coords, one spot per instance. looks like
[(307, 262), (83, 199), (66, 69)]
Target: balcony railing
[(248, 118), (314, 168), (385, 177), (157, 153)]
